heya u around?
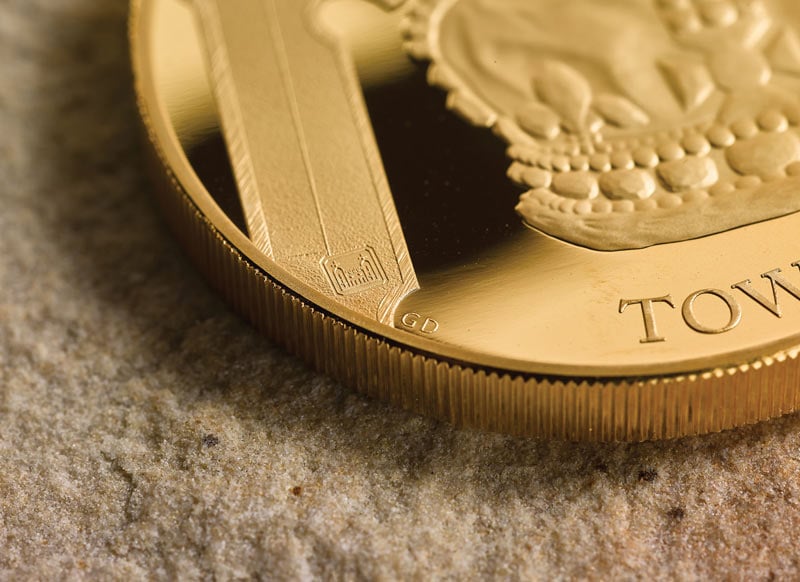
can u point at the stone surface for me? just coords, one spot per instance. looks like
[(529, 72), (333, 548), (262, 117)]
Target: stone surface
[(147, 433)]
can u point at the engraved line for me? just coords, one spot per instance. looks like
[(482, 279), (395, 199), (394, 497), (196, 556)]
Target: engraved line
[(283, 62), (233, 126)]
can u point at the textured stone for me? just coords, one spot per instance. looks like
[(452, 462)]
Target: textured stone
[(146, 433)]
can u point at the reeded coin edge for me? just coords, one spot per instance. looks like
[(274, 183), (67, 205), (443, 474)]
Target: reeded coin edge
[(594, 409)]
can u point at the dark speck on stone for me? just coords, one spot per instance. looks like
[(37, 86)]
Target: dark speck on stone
[(677, 513), (297, 491), (210, 440), (648, 475)]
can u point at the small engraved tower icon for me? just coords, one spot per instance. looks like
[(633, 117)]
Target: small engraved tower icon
[(354, 272)]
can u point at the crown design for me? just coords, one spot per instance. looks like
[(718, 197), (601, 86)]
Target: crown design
[(629, 122)]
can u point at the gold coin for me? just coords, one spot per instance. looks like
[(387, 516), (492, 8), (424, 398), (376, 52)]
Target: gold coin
[(562, 218)]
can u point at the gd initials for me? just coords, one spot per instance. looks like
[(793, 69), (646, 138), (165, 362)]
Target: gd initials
[(416, 322)]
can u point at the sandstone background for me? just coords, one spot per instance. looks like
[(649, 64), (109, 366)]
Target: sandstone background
[(146, 432)]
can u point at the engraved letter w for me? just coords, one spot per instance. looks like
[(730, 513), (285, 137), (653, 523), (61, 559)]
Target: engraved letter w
[(776, 280)]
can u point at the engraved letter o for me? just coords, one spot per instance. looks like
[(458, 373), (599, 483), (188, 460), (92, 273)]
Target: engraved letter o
[(734, 309)]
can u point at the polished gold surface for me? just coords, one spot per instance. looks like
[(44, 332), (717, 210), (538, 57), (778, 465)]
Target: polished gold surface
[(647, 284)]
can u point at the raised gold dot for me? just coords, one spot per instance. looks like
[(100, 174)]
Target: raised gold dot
[(594, 123), (627, 184), (539, 120), (536, 178), (600, 163), (696, 145), (721, 137), (670, 151), (667, 201), (582, 207), (718, 13), (580, 163), (561, 163), (722, 188), (515, 172), (773, 121), (523, 154), (792, 113), (543, 196), (601, 206), (577, 185), (695, 196), (622, 160), (646, 204), (689, 173), (645, 157), (566, 206), (682, 20), (793, 169), (745, 128), (624, 206), (765, 155)]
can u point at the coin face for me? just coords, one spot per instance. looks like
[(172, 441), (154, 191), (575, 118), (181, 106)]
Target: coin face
[(562, 218)]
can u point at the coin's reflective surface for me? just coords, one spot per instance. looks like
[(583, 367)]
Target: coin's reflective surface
[(527, 197)]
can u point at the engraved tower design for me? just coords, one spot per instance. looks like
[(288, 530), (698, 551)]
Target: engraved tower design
[(355, 271)]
